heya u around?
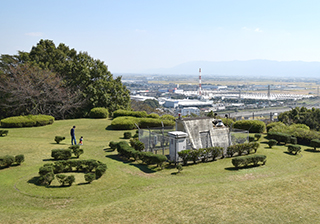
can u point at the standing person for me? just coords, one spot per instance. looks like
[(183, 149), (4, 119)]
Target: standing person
[(73, 136)]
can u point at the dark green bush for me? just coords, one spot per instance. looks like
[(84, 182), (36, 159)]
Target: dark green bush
[(46, 179), (248, 160), (231, 150), (89, 177), (4, 132), (137, 145), (294, 149), (293, 140), (76, 150), (27, 121), (279, 137), (179, 167), (228, 122), (185, 156), (275, 124), (253, 126), (59, 154), (19, 159), (125, 113), (127, 135), (257, 136), (58, 139), (65, 180), (167, 117), (315, 143), (6, 161), (272, 142), (194, 155), (124, 123), (153, 115), (251, 138), (99, 112), (113, 145), (100, 170)]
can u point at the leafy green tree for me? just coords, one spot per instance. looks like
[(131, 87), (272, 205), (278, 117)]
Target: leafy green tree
[(79, 72)]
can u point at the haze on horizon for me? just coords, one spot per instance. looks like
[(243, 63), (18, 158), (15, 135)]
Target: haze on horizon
[(136, 36)]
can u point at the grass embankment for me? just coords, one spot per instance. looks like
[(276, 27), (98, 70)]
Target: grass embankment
[(286, 189)]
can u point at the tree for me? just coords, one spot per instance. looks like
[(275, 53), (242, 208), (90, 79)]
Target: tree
[(79, 72), (27, 89)]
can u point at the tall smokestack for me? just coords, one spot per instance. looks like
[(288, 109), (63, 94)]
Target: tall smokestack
[(199, 81)]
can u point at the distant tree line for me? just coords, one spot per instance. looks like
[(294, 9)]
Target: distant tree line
[(57, 81), (309, 117)]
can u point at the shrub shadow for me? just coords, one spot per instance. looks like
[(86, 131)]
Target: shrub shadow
[(109, 128), (108, 150), (144, 168), (54, 143), (34, 180), (312, 150), (291, 154), (241, 168), (85, 183), (116, 157)]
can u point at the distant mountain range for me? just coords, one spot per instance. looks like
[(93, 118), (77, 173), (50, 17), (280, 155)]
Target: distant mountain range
[(256, 68)]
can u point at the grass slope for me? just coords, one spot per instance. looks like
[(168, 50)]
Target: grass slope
[(286, 189)]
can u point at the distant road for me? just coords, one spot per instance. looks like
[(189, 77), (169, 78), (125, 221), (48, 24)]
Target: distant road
[(263, 113)]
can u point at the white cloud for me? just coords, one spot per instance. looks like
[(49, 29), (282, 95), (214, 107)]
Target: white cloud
[(258, 30), (34, 34)]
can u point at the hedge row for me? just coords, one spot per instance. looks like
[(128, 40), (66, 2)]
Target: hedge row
[(27, 121), (128, 123), (253, 126), (279, 137), (239, 149), (128, 152), (6, 161), (126, 113), (99, 112), (315, 143), (65, 154), (245, 161), (91, 167), (203, 154), (4, 132), (302, 132)]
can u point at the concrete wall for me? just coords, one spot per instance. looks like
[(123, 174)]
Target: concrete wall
[(195, 126)]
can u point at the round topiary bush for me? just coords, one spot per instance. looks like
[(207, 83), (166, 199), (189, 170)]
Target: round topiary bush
[(99, 112)]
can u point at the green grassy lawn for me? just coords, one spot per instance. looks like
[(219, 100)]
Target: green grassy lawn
[(285, 190)]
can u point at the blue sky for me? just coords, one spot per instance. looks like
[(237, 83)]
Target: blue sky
[(134, 36)]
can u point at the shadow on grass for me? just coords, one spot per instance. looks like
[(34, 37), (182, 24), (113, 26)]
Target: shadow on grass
[(241, 168), (61, 186), (144, 168), (34, 180), (109, 128), (116, 157), (54, 143), (85, 183), (108, 150), (312, 150), (291, 154)]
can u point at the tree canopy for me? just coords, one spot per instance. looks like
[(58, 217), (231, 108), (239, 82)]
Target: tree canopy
[(79, 72)]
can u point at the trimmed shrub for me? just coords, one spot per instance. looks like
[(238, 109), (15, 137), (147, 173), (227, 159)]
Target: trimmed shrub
[(113, 145), (6, 161), (280, 137), (185, 156), (251, 138), (253, 126), (76, 150), (59, 154), (27, 121), (99, 112), (19, 159), (58, 139), (194, 155), (278, 124), (248, 160), (294, 149), (257, 136), (315, 143), (231, 150), (65, 180), (100, 170), (153, 115), (293, 140), (137, 145), (89, 177), (179, 168), (127, 135), (167, 117), (227, 121), (4, 132), (272, 142), (124, 123), (125, 113), (46, 179)]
